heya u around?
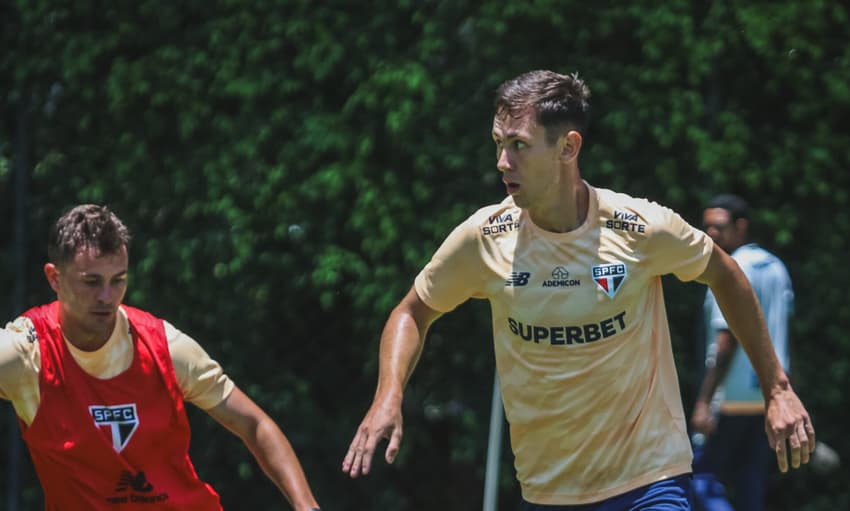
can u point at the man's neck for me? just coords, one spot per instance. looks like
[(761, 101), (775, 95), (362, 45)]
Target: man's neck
[(567, 208), (82, 340)]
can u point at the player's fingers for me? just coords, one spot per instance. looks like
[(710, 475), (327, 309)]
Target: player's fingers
[(355, 453), (794, 442), (349, 455), (804, 443), (781, 456), (368, 450), (394, 444), (810, 433)]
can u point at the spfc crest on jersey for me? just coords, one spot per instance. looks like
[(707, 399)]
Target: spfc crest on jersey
[(120, 421), (609, 277)]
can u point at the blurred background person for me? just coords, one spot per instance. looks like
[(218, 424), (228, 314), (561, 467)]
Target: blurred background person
[(730, 443)]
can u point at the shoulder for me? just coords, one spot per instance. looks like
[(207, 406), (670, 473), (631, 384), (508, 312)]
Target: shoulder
[(200, 378), (21, 330), (752, 252), (622, 211), (186, 353), (752, 256), (611, 201), (491, 214), (184, 349), (140, 317), (486, 221), (179, 343)]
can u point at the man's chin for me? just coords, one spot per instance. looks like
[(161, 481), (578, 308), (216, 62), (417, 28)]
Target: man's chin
[(102, 322)]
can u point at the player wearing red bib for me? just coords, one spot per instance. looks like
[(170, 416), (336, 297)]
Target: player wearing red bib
[(99, 388)]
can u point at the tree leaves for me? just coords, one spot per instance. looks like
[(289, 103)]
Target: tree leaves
[(287, 167)]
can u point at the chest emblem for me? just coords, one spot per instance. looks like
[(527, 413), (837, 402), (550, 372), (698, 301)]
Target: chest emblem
[(609, 277), (119, 421)]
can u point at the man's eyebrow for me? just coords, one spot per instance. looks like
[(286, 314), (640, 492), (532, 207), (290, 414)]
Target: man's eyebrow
[(91, 274), (510, 134)]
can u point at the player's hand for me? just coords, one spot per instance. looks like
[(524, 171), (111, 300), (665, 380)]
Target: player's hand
[(789, 429), (383, 420), (702, 420)]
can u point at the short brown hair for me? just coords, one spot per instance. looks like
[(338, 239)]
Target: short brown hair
[(557, 100), (86, 226)]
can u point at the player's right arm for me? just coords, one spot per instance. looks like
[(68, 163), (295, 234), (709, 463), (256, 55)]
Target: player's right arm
[(401, 344), (454, 274)]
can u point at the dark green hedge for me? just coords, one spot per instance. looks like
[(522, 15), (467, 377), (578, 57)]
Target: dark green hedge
[(288, 166)]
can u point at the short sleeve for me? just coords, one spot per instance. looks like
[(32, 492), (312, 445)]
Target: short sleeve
[(19, 366), (200, 378), (454, 273), (677, 247)]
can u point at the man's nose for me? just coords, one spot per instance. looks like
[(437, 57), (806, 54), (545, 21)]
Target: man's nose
[(502, 162), (105, 293)]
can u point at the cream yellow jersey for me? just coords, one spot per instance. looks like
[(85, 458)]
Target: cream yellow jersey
[(581, 339), (200, 378)]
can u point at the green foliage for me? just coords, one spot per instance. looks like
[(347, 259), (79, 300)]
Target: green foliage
[(287, 167)]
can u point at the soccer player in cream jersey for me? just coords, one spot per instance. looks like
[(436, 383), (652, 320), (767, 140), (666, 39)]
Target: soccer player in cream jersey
[(573, 276)]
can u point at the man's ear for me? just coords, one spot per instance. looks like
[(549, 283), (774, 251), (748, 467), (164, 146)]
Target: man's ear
[(51, 272), (570, 145)]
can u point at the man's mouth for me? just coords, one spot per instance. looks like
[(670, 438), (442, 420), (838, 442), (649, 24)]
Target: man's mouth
[(511, 187)]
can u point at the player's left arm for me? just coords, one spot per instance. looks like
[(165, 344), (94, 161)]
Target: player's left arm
[(275, 455), (787, 422)]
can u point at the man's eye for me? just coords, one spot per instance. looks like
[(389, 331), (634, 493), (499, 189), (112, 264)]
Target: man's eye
[(519, 144)]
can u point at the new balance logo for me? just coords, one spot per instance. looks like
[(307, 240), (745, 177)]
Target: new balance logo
[(517, 278), (121, 421), (137, 482), (135, 489)]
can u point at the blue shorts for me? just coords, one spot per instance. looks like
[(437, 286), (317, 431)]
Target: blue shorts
[(667, 495)]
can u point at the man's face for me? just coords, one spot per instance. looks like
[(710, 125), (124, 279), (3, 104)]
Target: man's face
[(528, 163), (717, 223), (90, 288)]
